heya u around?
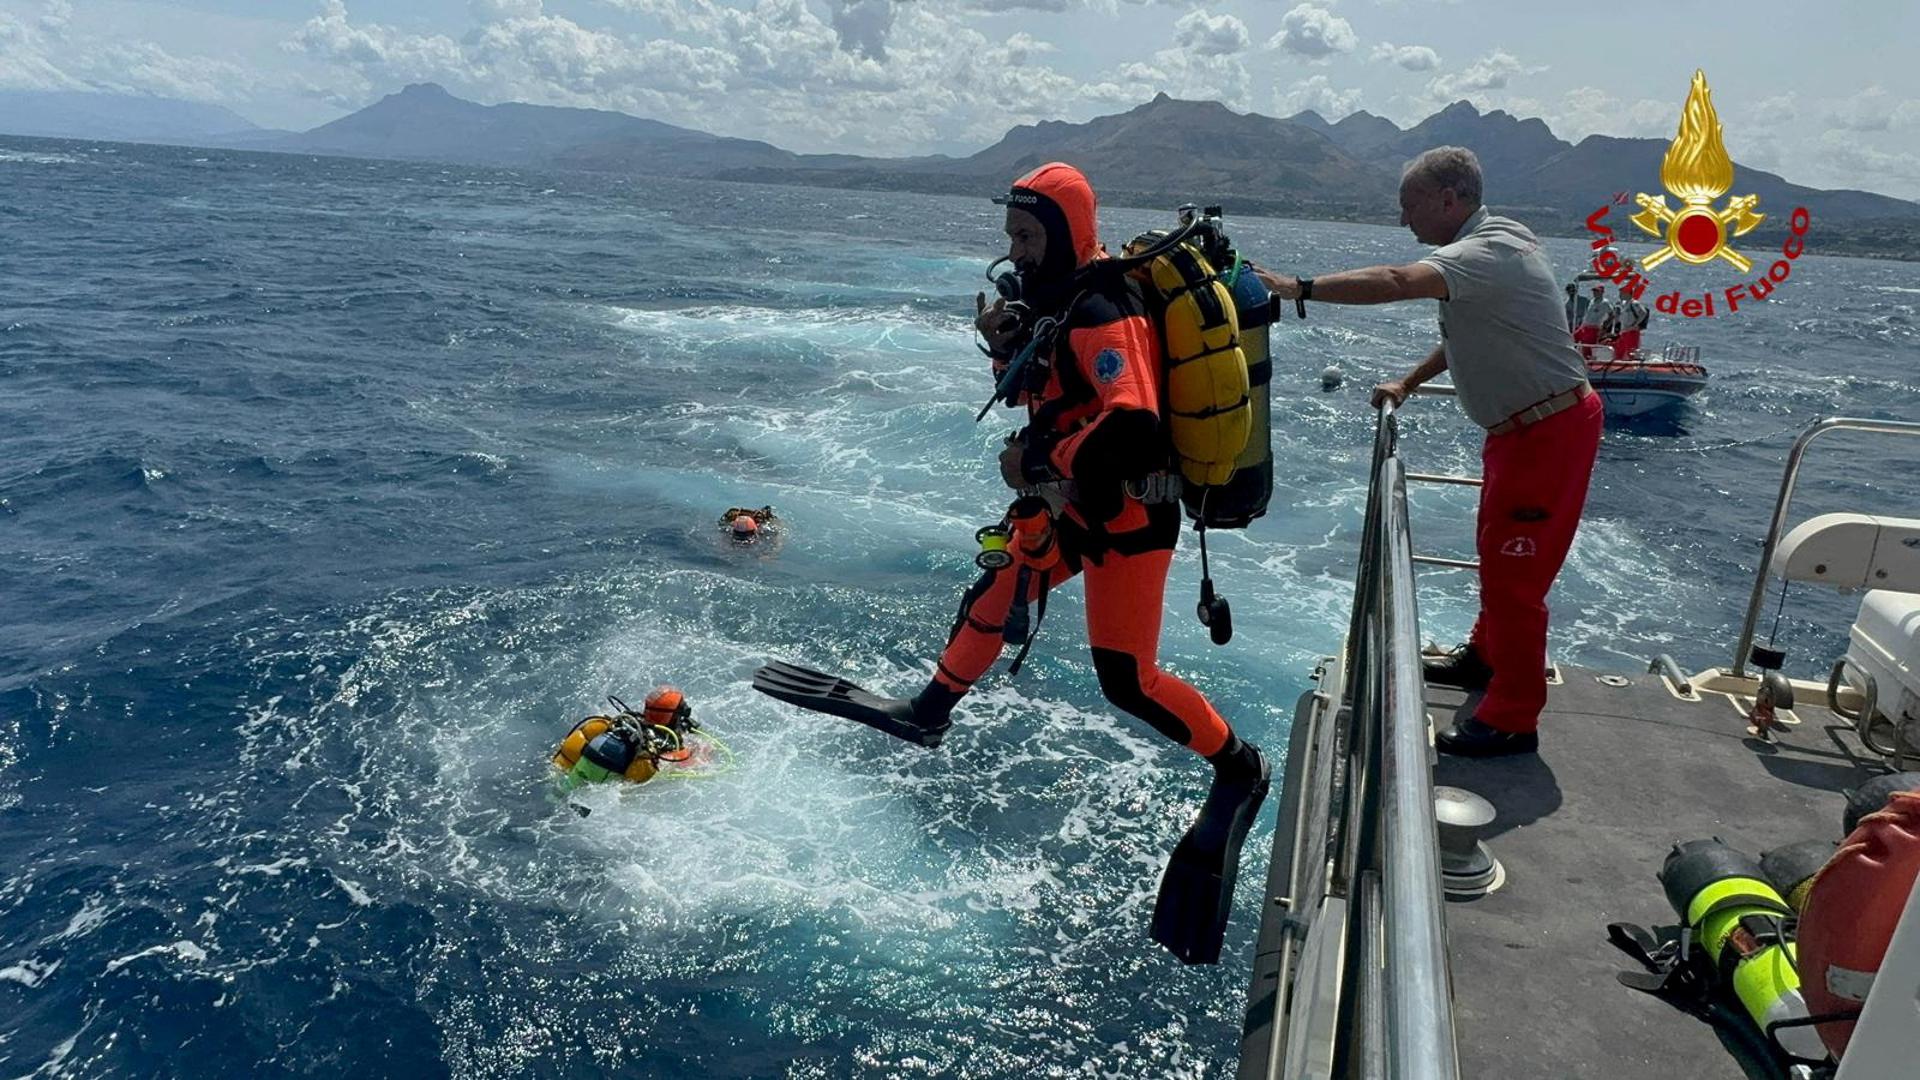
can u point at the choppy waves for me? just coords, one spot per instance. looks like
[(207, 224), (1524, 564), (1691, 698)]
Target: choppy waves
[(336, 490)]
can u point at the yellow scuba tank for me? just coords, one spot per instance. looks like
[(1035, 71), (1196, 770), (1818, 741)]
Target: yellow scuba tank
[(640, 770), (1213, 316), (1208, 408), (1212, 313), (576, 741), (1739, 921)]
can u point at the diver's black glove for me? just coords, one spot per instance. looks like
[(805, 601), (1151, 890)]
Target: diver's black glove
[(1001, 327)]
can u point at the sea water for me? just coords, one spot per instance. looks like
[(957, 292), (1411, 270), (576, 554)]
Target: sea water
[(332, 492)]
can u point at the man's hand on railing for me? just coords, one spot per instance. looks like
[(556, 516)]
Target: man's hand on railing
[(1395, 390)]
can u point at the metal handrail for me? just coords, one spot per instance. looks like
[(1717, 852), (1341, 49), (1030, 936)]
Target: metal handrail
[(1420, 1005), (1371, 993), (1446, 563), (1399, 1003), (1444, 478), (1792, 474)]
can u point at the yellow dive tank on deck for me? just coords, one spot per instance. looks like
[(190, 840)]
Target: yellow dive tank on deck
[(1739, 922)]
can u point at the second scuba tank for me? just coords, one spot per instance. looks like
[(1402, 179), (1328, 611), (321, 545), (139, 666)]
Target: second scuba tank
[(1234, 504), (1738, 921)]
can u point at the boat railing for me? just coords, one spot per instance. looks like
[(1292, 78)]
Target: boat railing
[(1788, 479), (1371, 995)]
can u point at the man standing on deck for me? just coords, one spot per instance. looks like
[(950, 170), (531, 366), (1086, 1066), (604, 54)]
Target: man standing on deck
[(1576, 307), (1593, 322), (1503, 337), (1629, 318)]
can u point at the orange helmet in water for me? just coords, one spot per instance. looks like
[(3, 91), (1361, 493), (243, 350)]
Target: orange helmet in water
[(667, 707)]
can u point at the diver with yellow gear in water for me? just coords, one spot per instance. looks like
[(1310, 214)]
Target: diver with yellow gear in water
[(662, 739)]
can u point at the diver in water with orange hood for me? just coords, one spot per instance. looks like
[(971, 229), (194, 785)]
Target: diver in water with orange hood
[(1092, 388)]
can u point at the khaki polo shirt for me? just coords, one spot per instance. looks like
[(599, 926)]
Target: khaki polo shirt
[(1504, 322)]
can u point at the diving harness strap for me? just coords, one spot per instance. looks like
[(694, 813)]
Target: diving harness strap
[(1016, 630), (1679, 975)]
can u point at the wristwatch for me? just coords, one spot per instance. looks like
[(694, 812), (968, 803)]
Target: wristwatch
[(1306, 288)]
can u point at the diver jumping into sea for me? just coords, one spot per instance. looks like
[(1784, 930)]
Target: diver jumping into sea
[(1085, 465)]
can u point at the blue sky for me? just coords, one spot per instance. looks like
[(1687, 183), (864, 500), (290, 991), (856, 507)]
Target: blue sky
[(1827, 100)]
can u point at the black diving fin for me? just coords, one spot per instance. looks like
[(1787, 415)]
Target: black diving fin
[(1196, 894), (820, 692)]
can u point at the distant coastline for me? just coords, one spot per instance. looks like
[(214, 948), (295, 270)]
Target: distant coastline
[(1889, 239)]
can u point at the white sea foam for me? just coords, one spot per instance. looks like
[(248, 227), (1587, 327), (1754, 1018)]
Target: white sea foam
[(29, 157), (186, 951), (902, 330), (29, 973), (93, 911)]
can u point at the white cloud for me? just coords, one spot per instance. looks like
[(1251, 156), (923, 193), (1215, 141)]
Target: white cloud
[(1184, 73), (497, 10), (23, 63), (863, 25), (369, 49), (1210, 35), (1410, 57), (1588, 111), (557, 54), (39, 56), (866, 76), (998, 6), (145, 68), (1775, 109), (1873, 109), (1491, 72), (1845, 160), (1025, 48), (54, 17), (1759, 151), (1313, 32), (1318, 94)]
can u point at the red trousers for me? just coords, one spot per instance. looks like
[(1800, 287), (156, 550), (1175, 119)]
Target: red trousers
[(1535, 485), (1625, 343), (1125, 600), (1586, 336)]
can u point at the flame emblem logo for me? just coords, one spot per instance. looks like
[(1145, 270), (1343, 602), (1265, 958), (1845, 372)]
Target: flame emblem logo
[(1697, 171)]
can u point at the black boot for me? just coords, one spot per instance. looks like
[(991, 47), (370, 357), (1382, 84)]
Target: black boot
[(932, 712), (1471, 738), (1463, 668), (1238, 760)]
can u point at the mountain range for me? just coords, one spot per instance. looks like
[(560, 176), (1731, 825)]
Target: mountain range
[(1158, 154), (74, 114)]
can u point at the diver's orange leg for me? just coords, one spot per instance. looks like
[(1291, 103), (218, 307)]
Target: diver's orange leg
[(974, 644), (1125, 601)]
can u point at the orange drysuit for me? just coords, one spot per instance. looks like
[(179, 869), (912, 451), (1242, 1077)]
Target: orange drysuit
[(1093, 426)]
